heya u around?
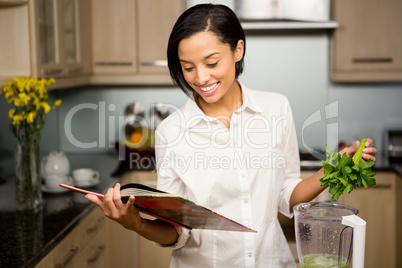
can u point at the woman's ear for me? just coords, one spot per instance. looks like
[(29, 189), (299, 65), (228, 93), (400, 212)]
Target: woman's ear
[(239, 50)]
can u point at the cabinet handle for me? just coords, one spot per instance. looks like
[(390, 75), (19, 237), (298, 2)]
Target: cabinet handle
[(157, 63), (113, 63), (52, 71), (96, 255), (75, 70), (373, 60), (73, 251), (91, 230), (382, 186)]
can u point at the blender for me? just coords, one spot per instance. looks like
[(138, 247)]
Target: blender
[(327, 234)]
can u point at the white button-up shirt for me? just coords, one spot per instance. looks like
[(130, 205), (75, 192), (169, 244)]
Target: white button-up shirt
[(246, 173)]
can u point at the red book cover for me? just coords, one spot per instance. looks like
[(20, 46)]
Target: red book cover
[(174, 209)]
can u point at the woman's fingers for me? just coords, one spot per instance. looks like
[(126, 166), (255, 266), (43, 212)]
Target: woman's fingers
[(95, 200)]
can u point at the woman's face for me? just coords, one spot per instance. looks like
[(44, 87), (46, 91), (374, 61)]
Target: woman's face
[(209, 65)]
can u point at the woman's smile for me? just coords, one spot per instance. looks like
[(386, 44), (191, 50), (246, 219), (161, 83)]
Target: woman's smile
[(209, 89)]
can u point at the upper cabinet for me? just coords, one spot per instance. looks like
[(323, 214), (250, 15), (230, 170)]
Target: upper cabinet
[(61, 44), (46, 38), (129, 40), (367, 46)]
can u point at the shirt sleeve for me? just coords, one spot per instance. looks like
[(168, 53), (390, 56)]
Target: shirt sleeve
[(292, 172), (184, 235), (170, 182)]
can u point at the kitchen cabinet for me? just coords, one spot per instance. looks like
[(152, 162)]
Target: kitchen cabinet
[(46, 38), (82, 246), (122, 246), (367, 46), (95, 242), (380, 207), (148, 254), (129, 40)]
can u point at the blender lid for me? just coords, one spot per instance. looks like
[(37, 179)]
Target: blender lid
[(324, 211)]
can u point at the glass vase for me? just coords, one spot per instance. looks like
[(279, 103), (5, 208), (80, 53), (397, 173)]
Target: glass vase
[(28, 188)]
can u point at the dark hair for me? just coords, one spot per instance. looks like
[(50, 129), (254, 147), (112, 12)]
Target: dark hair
[(218, 19)]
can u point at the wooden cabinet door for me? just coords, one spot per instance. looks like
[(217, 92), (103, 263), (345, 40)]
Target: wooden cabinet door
[(48, 37), (114, 36), (378, 207), (66, 253), (123, 250), (95, 254), (155, 23), (368, 42)]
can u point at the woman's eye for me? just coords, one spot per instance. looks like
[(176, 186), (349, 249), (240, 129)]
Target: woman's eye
[(188, 69), (212, 65)]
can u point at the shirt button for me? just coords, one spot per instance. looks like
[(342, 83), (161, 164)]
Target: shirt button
[(250, 255), (245, 200)]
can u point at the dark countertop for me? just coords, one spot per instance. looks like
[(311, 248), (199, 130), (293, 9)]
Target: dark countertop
[(27, 238)]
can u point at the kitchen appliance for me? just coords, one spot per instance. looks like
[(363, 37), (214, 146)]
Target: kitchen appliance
[(327, 234), (134, 116), (394, 149), (158, 112), (299, 10)]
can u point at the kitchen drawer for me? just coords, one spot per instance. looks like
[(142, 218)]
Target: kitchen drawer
[(96, 253), (65, 254), (90, 226)]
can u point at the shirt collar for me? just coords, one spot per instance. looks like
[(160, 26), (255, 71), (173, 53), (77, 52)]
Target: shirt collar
[(248, 100), (194, 115)]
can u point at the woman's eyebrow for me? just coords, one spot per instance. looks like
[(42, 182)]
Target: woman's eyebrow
[(205, 58)]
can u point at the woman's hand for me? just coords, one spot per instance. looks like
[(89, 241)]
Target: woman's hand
[(368, 152), (113, 208)]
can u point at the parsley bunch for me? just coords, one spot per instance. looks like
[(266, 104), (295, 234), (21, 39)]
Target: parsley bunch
[(343, 174)]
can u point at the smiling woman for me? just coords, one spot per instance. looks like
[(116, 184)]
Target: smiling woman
[(229, 148)]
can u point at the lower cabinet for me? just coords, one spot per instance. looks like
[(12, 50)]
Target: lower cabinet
[(102, 243), (381, 207), (95, 242)]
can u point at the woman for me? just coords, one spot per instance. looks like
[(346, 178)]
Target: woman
[(229, 148)]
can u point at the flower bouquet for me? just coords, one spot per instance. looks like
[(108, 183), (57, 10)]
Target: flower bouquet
[(30, 100)]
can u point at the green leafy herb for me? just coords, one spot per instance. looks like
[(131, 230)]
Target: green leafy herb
[(342, 174)]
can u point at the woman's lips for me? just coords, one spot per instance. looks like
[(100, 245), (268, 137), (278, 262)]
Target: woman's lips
[(209, 89)]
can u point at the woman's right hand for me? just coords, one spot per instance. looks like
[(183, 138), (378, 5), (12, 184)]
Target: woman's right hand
[(113, 208)]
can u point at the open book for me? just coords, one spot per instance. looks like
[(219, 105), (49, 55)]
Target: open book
[(174, 209)]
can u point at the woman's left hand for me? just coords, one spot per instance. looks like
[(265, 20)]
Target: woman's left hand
[(368, 152)]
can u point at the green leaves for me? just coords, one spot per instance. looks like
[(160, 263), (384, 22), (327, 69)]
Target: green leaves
[(342, 174)]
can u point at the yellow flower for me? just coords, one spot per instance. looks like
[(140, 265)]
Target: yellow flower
[(41, 90), (17, 119), (57, 103), (37, 104), (11, 113), (50, 81), (46, 107), (31, 117), (22, 99)]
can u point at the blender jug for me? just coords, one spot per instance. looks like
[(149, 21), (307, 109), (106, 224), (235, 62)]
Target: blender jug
[(326, 233)]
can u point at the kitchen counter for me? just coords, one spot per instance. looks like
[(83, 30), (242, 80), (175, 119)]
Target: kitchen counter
[(27, 238)]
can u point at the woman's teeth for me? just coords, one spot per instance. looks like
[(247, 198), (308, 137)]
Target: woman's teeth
[(206, 89)]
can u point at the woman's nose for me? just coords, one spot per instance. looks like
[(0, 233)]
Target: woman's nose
[(202, 76)]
